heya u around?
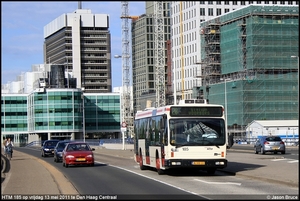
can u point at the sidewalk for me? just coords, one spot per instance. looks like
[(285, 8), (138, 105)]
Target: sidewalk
[(28, 175)]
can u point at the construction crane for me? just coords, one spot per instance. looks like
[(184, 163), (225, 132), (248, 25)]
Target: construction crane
[(127, 111), (159, 54)]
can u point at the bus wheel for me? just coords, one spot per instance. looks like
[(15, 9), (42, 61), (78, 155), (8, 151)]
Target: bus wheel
[(159, 171), (142, 167)]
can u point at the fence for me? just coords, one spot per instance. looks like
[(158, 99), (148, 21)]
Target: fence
[(288, 141)]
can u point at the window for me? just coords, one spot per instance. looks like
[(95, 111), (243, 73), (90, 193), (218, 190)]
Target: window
[(210, 12), (202, 11)]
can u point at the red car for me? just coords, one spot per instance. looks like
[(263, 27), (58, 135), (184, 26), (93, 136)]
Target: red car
[(78, 153)]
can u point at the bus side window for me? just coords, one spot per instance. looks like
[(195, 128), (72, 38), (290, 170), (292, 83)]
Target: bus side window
[(164, 130)]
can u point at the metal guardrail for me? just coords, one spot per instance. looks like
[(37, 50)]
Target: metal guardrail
[(92, 142), (287, 141)]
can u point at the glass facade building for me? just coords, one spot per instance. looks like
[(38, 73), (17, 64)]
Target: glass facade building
[(60, 114)]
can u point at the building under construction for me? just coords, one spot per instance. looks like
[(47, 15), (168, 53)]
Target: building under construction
[(249, 63)]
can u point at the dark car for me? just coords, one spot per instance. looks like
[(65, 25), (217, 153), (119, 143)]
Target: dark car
[(272, 144), (78, 153), (48, 147), (58, 149)]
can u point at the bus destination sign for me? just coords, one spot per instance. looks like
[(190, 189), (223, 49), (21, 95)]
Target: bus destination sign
[(207, 111)]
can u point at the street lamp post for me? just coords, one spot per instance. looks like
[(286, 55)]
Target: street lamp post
[(298, 76), (83, 116), (225, 97), (124, 107)]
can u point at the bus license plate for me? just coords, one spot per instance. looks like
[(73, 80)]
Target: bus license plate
[(199, 163)]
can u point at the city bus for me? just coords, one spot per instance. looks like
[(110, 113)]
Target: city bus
[(190, 135)]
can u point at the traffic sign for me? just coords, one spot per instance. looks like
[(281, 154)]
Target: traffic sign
[(124, 125)]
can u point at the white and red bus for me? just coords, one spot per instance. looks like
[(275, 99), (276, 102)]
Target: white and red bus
[(191, 134)]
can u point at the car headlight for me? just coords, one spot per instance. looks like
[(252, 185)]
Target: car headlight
[(46, 149), (70, 156), (90, 156)]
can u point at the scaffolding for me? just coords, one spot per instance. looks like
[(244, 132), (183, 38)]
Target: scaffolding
[(252, 48)]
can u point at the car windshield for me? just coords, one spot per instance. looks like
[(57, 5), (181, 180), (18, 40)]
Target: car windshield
[(78, 147), (51, 143), (62, 145)]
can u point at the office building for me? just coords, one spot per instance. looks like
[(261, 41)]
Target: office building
[(81, 42), (143, 56), (60, 114)]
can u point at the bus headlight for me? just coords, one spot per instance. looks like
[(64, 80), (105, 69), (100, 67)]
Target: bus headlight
[(175, 163), (219, 163)]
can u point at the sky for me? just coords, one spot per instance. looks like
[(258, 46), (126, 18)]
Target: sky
[(22, 32)]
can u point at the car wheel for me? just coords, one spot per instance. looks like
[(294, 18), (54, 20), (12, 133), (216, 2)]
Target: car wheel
[(255, 151)]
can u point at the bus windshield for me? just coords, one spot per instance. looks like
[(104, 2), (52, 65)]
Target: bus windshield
[(197, 132)]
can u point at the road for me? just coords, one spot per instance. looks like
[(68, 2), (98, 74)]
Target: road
[(122, 176)]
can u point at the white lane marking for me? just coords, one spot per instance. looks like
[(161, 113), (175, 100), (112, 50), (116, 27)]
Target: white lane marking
[(151, 178), (214, 182), (280, 159), (286, 159)]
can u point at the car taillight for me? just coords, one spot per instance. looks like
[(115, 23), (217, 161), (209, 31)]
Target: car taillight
[(266, 142), (281, 142)]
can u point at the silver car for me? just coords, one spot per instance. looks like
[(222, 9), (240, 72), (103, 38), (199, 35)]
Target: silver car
[(273, 144)]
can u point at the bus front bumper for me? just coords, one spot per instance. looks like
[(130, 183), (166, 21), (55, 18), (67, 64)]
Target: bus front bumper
[(196, 163)]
